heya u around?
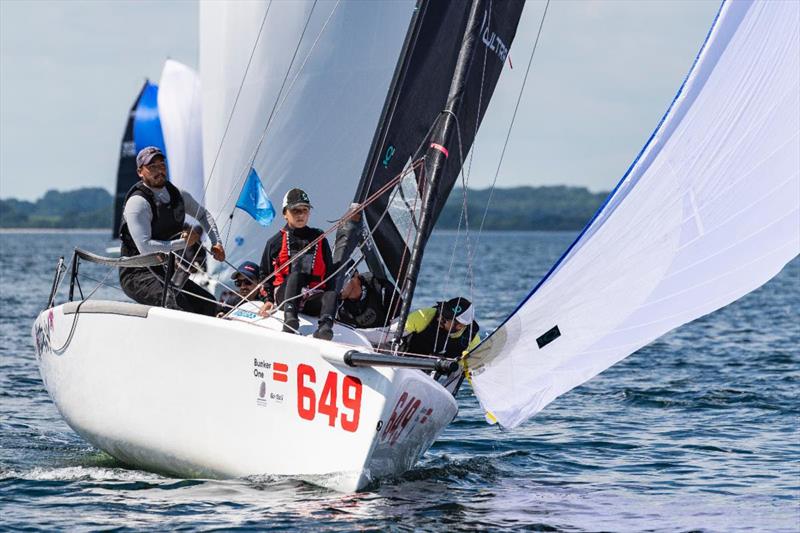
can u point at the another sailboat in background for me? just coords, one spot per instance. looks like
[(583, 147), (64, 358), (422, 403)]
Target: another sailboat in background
[(707, 213), (167, 115)]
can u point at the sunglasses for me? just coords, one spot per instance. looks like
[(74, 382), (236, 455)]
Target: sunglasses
[(156, 165), (240, 282)]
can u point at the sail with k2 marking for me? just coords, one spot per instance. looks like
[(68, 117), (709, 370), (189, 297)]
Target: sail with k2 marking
[(708, 211)]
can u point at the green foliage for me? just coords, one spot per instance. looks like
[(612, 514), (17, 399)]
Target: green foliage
[(523, 208), (518, 208), (81, 208)]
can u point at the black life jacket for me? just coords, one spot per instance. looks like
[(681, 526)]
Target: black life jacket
[(167, 222), (433, 340), (371, 311)]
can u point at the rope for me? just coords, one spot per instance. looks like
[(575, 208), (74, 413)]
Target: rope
[(201, 201), (345, 217), (235, 102), (511, 125), (278, 104)]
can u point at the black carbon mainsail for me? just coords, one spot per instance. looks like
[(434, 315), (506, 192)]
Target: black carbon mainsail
[(436, 78)]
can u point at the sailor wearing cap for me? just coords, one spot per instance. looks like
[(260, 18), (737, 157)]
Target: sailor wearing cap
[(295, 275), (246, 279), (447, 329), (152, 221)]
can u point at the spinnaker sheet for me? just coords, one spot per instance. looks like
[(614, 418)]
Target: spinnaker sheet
[(709, 211)]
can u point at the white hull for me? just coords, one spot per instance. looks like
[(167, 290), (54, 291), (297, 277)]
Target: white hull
[(196, 396)]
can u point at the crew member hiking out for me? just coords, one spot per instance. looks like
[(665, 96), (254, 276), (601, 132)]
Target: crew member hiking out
[(152, 221), (367, 301), (300, 284), (447, 329)]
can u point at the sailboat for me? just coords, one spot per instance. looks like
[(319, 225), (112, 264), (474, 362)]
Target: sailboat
[(707, 212), (168, 116)]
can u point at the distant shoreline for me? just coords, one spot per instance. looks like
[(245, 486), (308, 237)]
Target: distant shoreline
[(55, 230), (543, 208)]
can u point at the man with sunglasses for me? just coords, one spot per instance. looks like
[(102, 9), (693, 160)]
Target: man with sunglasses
[(299, 269), (152, 221), (245, 279), (447, 329)]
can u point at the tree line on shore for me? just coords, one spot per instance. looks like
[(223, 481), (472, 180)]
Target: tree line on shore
[(518, 208)]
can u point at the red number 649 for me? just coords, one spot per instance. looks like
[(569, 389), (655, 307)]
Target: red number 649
[(308, 406)]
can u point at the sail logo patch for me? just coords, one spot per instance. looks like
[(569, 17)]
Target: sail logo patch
[(388, 156), (492, 40), (548, 336)]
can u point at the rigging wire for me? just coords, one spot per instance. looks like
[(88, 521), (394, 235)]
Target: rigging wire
[(201, 200), (347, 215), (511, 124), (278, 104), (235, 102)]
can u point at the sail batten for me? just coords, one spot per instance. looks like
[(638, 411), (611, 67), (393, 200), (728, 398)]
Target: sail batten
[(709, 211)]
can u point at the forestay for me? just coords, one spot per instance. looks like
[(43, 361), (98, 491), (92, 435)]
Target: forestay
[(179, 102), (294, 90), (709, 211)]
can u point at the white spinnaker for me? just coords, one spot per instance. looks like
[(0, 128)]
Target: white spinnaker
[(179, 102), (708, 212), (324, 116)]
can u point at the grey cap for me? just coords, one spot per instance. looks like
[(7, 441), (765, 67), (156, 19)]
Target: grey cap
[(147, 154)]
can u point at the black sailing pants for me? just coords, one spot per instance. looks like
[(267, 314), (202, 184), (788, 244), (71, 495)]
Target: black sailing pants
[(319, 304), (146, 285)]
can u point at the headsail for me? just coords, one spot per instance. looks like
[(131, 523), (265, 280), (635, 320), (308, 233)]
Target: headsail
[(179, 110), (709, 211), (416, 102), (294, 91)]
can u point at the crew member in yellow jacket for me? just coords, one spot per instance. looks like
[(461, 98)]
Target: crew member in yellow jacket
[(447, 329)]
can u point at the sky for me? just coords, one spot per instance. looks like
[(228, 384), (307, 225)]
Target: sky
[(602, 76)]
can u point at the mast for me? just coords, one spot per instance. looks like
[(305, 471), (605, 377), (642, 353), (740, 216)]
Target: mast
[(435, 158)]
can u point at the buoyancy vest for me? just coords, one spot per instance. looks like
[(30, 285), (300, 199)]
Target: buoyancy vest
[(435, 341), (290, 245), (371, 310), (167, 221)]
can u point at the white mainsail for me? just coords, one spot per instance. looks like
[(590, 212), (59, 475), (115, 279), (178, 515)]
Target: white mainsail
[(179, 108), (295, 90), (709, 211)]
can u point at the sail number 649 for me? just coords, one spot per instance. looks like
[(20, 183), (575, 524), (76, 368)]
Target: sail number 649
[(309, 406)]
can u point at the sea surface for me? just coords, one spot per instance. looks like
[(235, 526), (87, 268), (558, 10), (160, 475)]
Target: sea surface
[(698, 431)]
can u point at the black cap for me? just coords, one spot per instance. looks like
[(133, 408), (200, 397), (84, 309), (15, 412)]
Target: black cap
[(248, 269), (459, 309), (294, 198)]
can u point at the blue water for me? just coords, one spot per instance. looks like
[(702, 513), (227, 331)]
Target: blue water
[(698, 431)]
